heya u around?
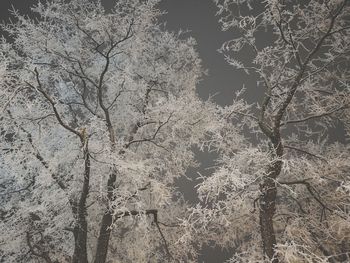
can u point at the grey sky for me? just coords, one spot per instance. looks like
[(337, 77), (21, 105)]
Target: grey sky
[(198, 16)]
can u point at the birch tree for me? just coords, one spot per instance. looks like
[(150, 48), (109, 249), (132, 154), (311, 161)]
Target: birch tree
[(284, 198), (98, 115)]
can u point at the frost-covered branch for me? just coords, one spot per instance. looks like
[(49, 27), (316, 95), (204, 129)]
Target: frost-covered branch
[(52, 103)]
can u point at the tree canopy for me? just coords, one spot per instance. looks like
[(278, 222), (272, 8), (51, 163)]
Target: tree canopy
[(99, 113), (285, 197), (100, 118)]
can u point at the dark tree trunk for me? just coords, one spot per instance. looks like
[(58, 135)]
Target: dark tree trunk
[(80, 236), (267, 200), (103, 239), (107, 220), (267, 211), (80, 230)]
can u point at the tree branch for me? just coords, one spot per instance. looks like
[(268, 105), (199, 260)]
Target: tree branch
[(311, 190), (153, 212), (26, 188), (302, 70), (305, 152), (315, 116), (151, 139), (53, 105), (38, 155)]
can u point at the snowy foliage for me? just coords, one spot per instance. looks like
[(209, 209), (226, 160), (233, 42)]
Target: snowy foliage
[(283, 197), (99, 113)]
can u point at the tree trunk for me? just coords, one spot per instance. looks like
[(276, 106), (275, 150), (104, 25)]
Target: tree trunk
[(267, 210), (267, 200), (80, 236), (80, 230), (103, 239), (107, 220)]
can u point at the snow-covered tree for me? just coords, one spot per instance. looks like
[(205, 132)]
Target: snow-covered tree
[(282, 195), (98, 115)]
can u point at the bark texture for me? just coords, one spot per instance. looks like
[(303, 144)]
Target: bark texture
[(105, 230), (80, 230)]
